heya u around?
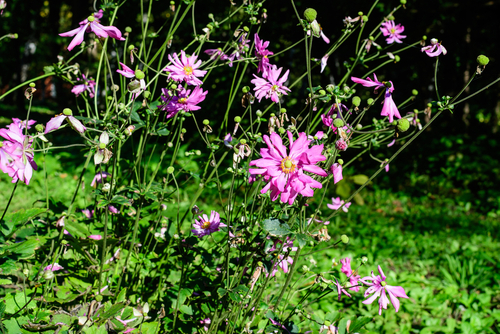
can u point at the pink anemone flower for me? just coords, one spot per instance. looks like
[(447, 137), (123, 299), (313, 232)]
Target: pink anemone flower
[(204, 226), (92, 24), (285, 171), (378, 287), (336, 170), (393, 31), (337, 203), (87, 85), (353, 277), (262, 54), (185, 69), (435, 49), (271, 86), (186, 100), (67, 114)]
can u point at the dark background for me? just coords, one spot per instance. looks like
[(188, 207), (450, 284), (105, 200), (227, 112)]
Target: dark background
[(458, 156)]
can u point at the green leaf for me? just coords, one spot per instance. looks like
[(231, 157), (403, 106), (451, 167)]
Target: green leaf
[(11, 326), (23, 249), (276, 228), (235, 297), (113, 310), (221, 292), (48, 69), (2, 309), (8, 267), (121, 200), (95, 330), (360, 179), (149, 328), (122, 295), (13, 221), (343, 325), (76, 229), (302, 239), (186, 309), (332, 316), (136, 118), (5, 281), (358, 323)]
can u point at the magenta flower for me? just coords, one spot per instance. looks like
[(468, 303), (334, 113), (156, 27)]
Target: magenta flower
[(378, 287), (205, 226), (389, 109), (87, 85), (92, 24), (262, 54), (353, 277), (341, 290), (88, 213), (336, 170), (95, 237), (270, 86), (16, 153), (186, 100), (185, 69), (206, 323), (282, 261), (67, 114), (327, 118), (278, 324), (214, 53), (435, 49), (337, 203), (113, 210), (100, 177), (393, 31), (286, 171), (53, 267)]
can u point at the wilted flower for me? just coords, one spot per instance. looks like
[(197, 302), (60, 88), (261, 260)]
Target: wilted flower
[(205, 226), (317, 31), (87, 85), (227, 140), (103, 154), (127, 72), (270, 87), (214, 53), (282, 261), (92, 24), (341, 145), (378, 287), (336, 170), (435, 49), (99, 178), (323, 62), (337, 203), (393, 31), (67, 114), (389, 109), (185, 69), (186, 100), (285, 171)]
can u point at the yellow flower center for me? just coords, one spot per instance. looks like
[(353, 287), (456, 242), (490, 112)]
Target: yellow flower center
[(393, 30), (188, 70), (287, 165), (383, 283), (205, 225), (182, 100), (275, 87)]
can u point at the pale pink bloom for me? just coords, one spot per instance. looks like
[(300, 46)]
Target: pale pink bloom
[(53, 267), (125, 322), (337, 203), (391, 143), (285, 172), (113, 210), (271, 86), (227, 141), (206, 323), (435, 49), (92, 24), (317, 31), (115, 256), (186, 100), (127, 72), (327, 118), (214, 53), (87, 85), (205, 226), (319, 135), (341, 290), (21, 124), (262, 54), (323, 62), (378, 287), (282, 261), (88, 213), (336, 170), (310, 220), (329, 329), (393, 31), (353, 277), (56, 122), (341, 145), (185, 69), (95, 236)]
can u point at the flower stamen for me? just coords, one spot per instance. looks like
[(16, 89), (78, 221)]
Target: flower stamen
[(188, 70), (288, 166)]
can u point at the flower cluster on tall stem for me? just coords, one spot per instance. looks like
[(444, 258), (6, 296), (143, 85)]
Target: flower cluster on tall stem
[(86, 85), (262, 54), (271, 85), (392, 32), (92, 24), (389, 109), (285, 171), (16, 153)]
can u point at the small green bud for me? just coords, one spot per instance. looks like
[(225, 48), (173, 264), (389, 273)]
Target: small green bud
[(246, 89), (246, 29), (327, 323), (414, 92), (39, 127), (237, 119), (173, 86), (139, 74), (394, 122), (482, 60), (371, 38), (128, 29), (330, 88), (283, 110), (91, 18), (131, 47), (344, 238), (338, 123), (282, 130), (14, 36), (206, 122), (321, 92), (183, 130), (98, 298), (310, 14), (429, 105), (305, 268), (32, 84), (147, 95), (340, 161), (364, 259), (356, 101), (424, 38), (48, 275), (259, 113), (360, 13), (172, 2), (370, 101), (365, 18), (243, 141), (67, 112), (273, 114), (391, 17), (403, 125), (278, 274), (170, 170), (102, 146), (359, 126), (403, 2), (397, 58)]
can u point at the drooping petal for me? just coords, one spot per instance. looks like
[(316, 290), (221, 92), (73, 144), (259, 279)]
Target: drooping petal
[(54, 123), (76, 124)]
